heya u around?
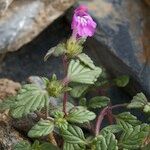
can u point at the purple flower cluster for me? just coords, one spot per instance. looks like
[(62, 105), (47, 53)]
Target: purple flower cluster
[(82, 23)]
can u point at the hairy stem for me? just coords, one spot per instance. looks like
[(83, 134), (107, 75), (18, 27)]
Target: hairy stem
[(65, 82), (110, 116), (65, 63), (118, 105), (102, 115), (65, 103), (100, 119)]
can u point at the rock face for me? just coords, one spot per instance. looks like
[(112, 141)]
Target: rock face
[(8, 88), (122, 39), (25, 19), (4, 4)]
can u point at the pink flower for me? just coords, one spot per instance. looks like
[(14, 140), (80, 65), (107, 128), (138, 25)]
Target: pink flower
[(82, 23)]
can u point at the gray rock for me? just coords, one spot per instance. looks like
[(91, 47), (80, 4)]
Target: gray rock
[(25, 19), (122, 39), (4, 4)]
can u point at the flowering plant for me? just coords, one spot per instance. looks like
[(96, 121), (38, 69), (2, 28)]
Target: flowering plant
[(66, 116)]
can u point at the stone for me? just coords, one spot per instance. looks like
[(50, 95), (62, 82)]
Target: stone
[(8, 136), (29, 59), (147, 2), (25, 19), (8, 88), (122, 39), (4, 4)]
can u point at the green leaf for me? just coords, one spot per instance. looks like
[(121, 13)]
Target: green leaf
[(30, 98), (36, 145), (112, 128), (69, 146), (56, 51), (60, 120), (133, 138), (22, 145), (138, 101), (82, 102), (127, 120), (80, 114), (147, 108), (105, 142), (99, 102), (60, 108), (122, 81), (78, 72), (78, 90), (73, 135), (41, 82), (48, 146), (86, 60), (42, 128)]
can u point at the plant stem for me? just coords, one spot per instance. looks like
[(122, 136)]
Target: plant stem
[(118, 105), (65, 64), (102, 115), (110, 116), (65, 82), (65, 103), (100, 119)]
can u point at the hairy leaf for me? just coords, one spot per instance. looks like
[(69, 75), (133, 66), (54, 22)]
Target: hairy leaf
[(56, 51), (73, 135), (138, 101), (30, 98), (48, 146), (133, 138), (105, 142), (60, 121), (112, 128), (42, 128), (77, 72), (22, 145), (78, 90), (122, 81), (69, 146), (127, 120), (60, 108), (99, 102), (82, 102), (86, 60), (80, 114)]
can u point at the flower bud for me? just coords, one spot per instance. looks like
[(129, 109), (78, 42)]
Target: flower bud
[(73, 48), (55, 88)]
